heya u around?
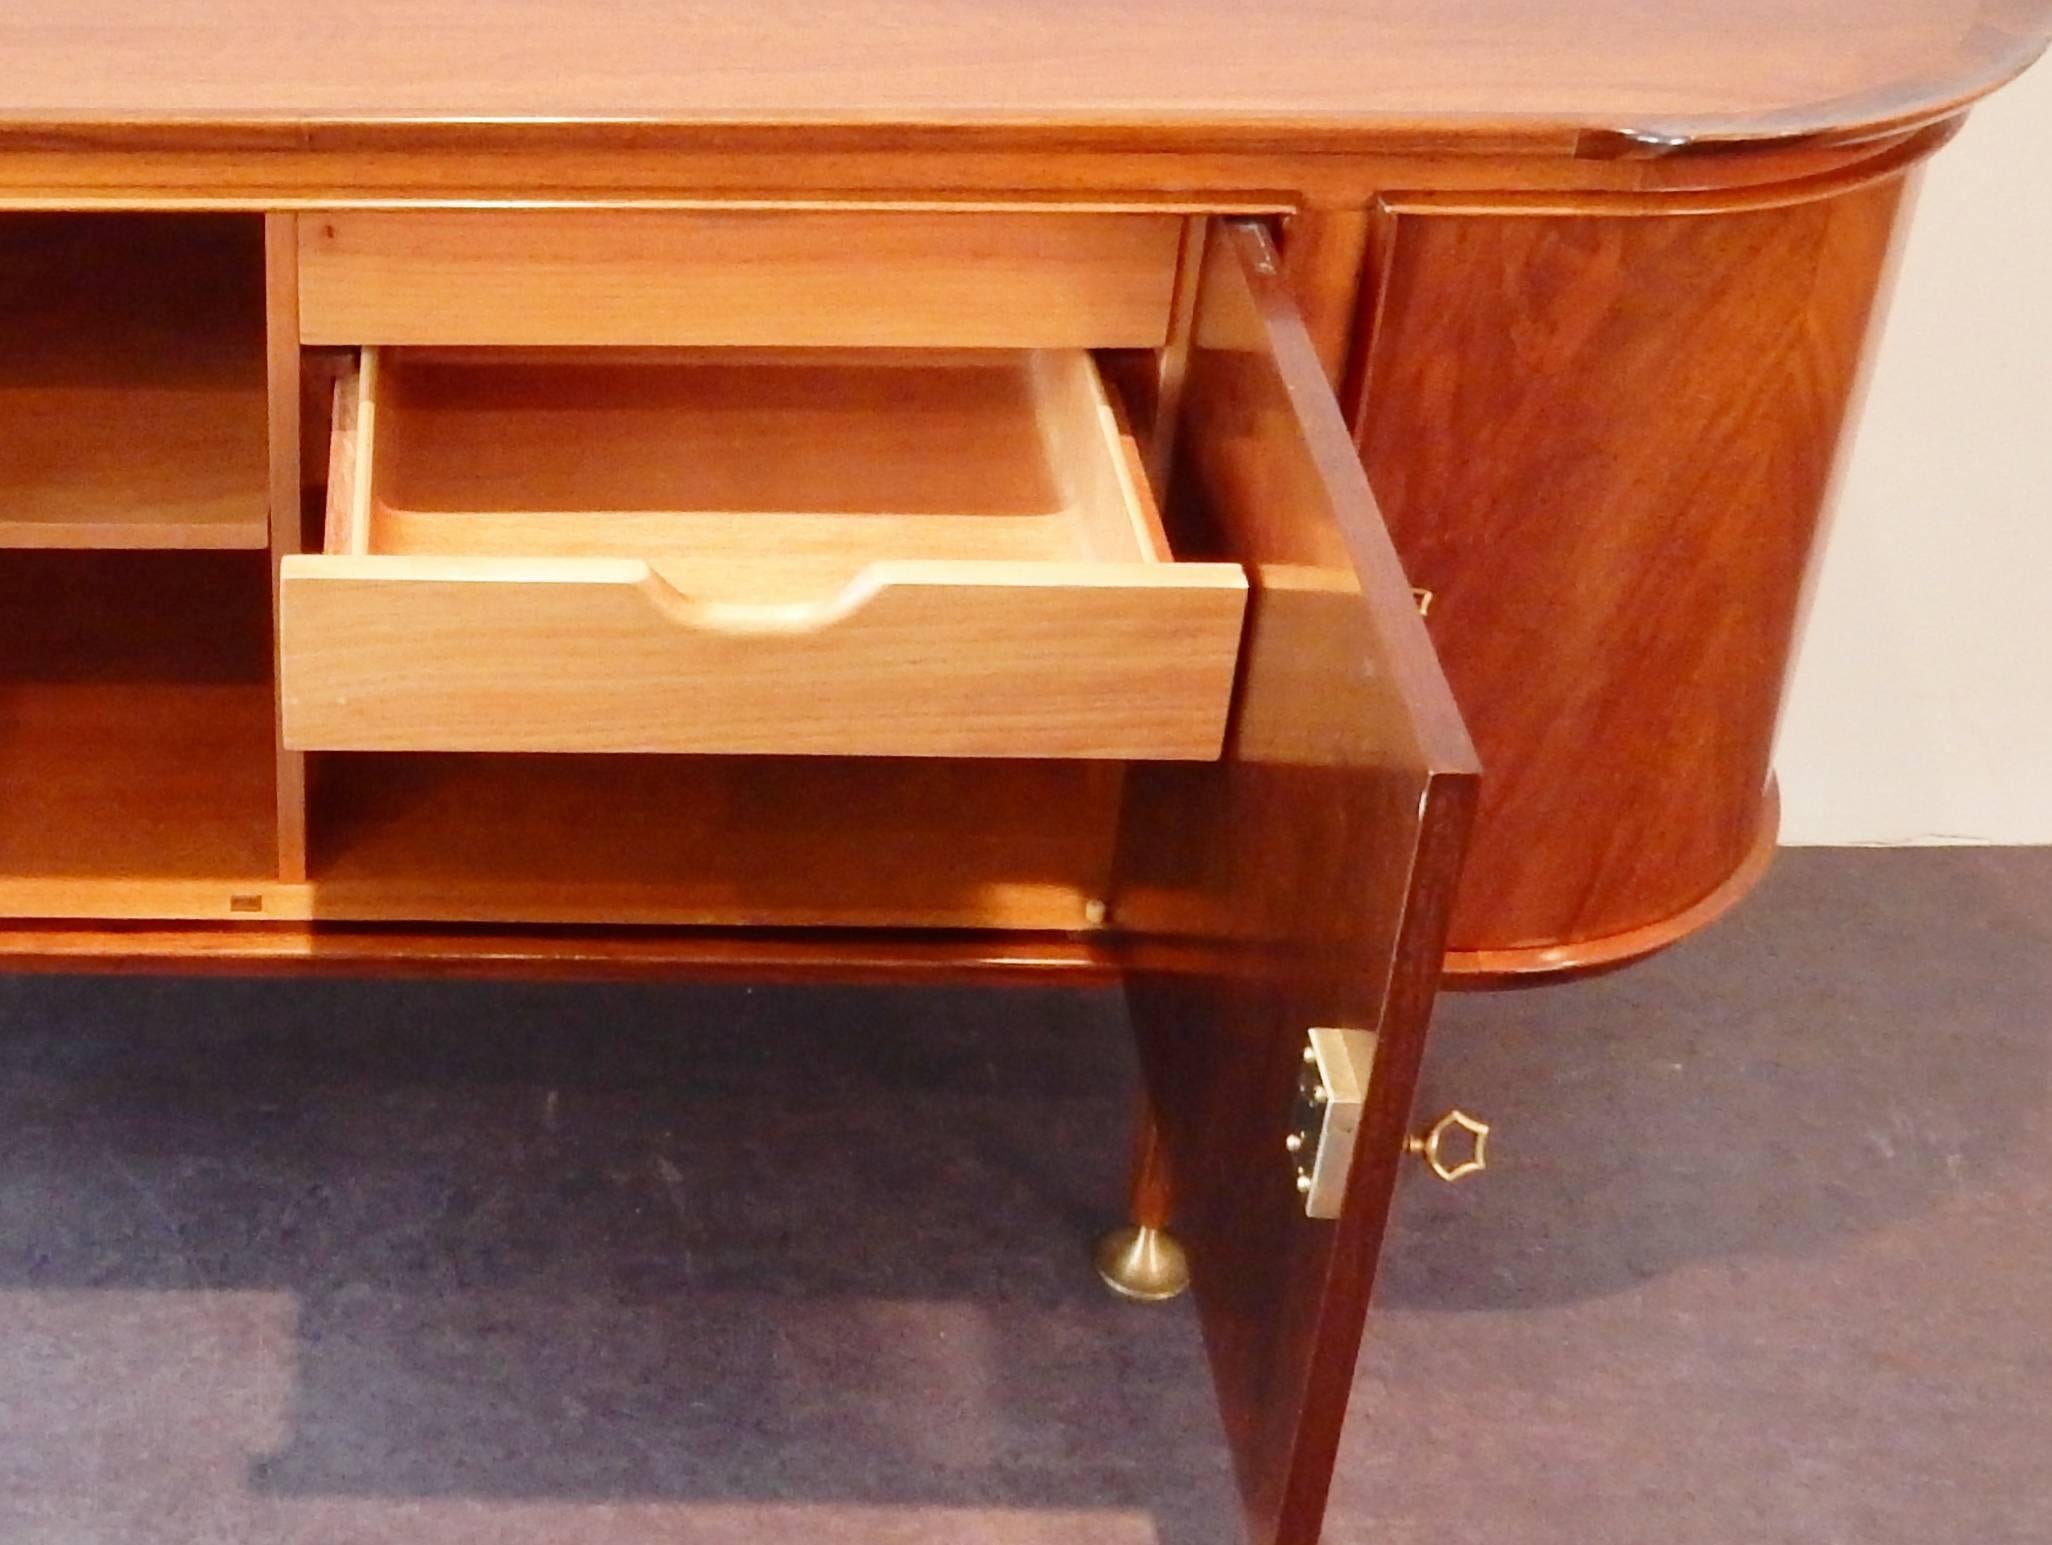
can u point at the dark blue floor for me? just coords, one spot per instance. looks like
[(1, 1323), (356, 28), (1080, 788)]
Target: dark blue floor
[(1766, 1256)]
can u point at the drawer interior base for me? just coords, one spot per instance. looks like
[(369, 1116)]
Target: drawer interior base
[(751, 476)]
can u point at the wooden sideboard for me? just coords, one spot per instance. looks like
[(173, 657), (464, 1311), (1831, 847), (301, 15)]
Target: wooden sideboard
[(1010, 492)]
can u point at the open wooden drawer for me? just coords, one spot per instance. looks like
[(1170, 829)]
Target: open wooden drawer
[(872, 553)]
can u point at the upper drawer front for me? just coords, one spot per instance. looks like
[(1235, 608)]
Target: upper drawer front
[(797, 278)]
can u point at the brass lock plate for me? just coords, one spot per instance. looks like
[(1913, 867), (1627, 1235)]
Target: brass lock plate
[(1332, 1088)]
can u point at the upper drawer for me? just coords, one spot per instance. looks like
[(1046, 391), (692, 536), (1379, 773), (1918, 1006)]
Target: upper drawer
[(794, 278), (855, 553)]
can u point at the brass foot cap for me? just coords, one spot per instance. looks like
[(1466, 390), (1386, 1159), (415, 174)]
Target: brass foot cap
[(1143, 1264)]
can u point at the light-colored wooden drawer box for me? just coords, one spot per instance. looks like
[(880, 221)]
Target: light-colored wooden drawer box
[(798, 278), (735, 552)]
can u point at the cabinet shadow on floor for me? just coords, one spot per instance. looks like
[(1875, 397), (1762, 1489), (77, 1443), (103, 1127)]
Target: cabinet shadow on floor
[(712, 1244)]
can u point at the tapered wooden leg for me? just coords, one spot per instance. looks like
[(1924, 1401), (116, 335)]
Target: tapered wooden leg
[(1143, 1261)]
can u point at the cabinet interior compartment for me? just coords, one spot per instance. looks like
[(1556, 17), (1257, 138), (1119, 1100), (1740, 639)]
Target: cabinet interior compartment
[(716, 841), (136, 740), (765, 476), (132, 381), (138, 747)]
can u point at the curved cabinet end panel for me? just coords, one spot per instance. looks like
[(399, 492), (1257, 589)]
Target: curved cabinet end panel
[(1605, 439)]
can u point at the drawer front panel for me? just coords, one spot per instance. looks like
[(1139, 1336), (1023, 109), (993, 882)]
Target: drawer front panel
[(961, 659), (799, 278)]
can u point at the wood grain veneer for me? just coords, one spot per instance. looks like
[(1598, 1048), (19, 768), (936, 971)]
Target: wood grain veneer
[(1530, 964), (1303, 880), (1601, 76), (1605, 440)]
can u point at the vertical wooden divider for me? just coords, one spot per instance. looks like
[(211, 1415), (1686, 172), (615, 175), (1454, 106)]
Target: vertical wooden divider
[(281, 328), (1174, 360), (1322, 255)]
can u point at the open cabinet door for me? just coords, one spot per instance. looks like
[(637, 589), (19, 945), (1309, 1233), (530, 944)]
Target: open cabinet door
[(1303, 881)]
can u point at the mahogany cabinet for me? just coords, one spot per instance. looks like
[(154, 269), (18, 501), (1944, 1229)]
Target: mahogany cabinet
[(1280, 516)]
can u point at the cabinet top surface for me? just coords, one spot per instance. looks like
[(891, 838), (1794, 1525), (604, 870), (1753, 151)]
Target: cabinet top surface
[(1532, 74)]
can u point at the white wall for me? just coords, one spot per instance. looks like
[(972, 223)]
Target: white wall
[(1922, 704)]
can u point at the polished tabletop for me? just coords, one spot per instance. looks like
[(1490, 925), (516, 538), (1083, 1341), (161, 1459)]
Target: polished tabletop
[(1533, 74)]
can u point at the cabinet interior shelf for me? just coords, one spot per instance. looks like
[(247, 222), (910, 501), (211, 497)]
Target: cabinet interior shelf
[(132, 382)]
